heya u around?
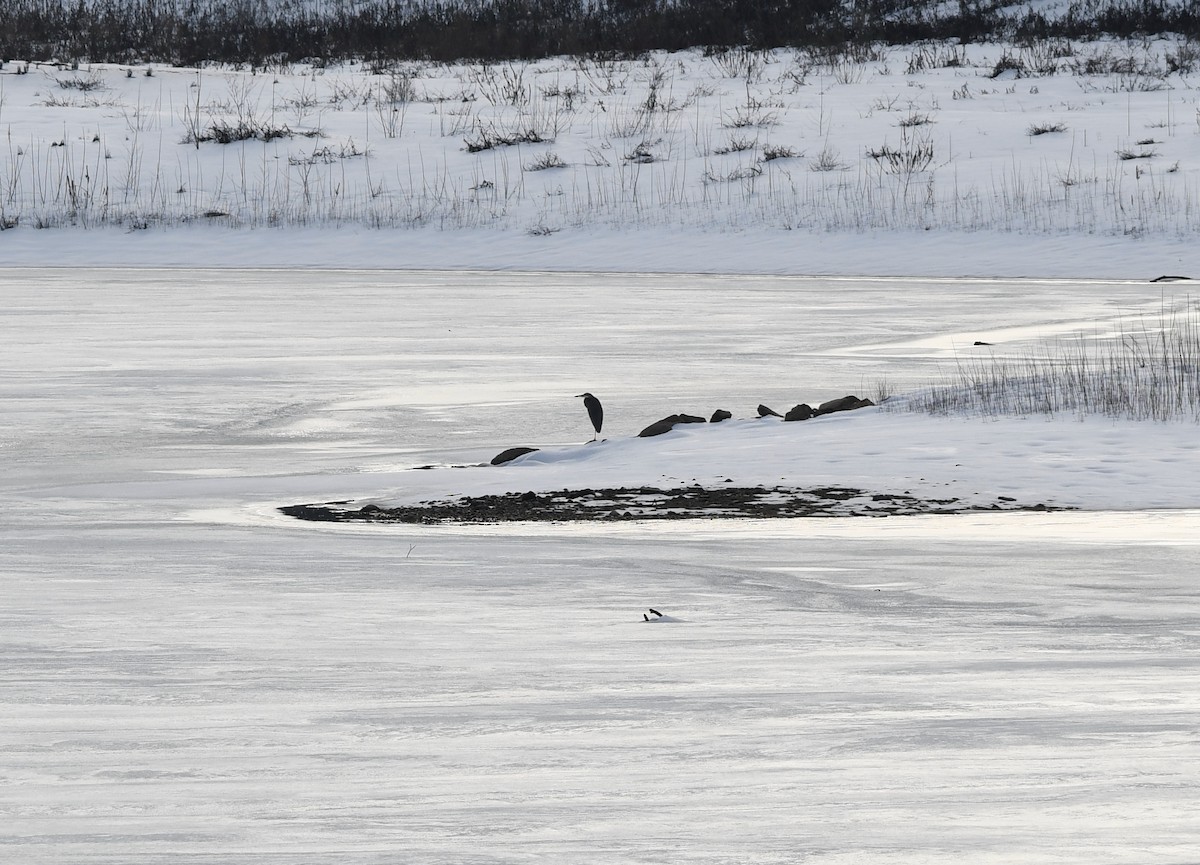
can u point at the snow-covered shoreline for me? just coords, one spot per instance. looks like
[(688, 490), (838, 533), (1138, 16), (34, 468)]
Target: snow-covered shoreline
[(924, 254), (954, 464)]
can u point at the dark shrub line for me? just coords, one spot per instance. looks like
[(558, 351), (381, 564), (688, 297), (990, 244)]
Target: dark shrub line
[(384, 31)]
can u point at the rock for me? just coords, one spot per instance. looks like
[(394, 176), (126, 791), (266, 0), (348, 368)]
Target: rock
[(667, 424), (846, 403), (658, 428), (765, 411), (317, 513), (981, 342), (720, 415), (800, 412), (510, 455), (1169, 278)]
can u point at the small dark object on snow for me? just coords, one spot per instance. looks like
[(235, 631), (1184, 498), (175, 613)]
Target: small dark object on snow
[(668, 423), (720, 415), (656, 612), (981, 342), (765, 411), (800, 412), (595, 411), (1166, 278), (510, 455), (846, 403), (658, 428)]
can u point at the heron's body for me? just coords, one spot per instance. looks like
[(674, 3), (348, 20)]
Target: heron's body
[(595, 411)]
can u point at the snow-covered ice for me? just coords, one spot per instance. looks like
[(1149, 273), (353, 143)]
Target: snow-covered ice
[(188, 676)]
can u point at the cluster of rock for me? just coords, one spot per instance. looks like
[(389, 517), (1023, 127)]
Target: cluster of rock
[(800, 412)]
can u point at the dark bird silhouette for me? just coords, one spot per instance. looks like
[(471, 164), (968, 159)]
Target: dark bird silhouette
[(595, 411)]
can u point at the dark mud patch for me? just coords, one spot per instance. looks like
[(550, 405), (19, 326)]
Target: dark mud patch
[(652, 503)]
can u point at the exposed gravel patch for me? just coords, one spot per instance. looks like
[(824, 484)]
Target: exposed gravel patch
[(652, 503)]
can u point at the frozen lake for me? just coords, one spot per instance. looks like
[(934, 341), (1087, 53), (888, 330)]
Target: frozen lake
[(186, 677)]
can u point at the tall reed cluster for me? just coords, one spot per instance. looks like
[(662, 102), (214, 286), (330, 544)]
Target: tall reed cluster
[(1148, 370)]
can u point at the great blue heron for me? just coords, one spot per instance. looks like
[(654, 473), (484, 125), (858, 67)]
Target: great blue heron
[(595, 411)]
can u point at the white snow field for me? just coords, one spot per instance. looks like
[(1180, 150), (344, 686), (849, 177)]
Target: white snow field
[(1055, 158), (187, 676)]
